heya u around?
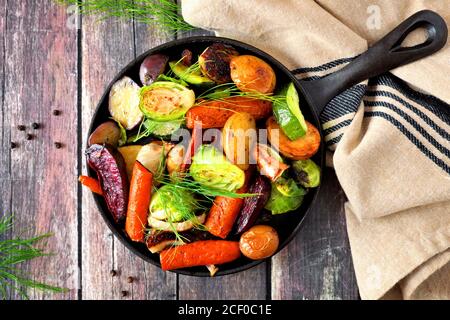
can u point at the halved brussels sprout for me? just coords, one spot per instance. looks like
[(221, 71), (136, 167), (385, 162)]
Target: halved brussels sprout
[(307, 173), (286, 196), (172, 204), (124, 103), (212, 169)]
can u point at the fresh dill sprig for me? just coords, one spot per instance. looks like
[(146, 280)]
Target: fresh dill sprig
[(12, 253), (162, 13)]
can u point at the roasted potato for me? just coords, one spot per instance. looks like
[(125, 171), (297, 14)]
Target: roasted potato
[(250, 73), (259, 242), (129, 154), (215, 62), (300, 149), (124, 103), (238, 138), (152, 155), (152, 66), (108, 132), (175, 158)]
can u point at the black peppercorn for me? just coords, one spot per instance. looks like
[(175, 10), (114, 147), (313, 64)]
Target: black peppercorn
[(113, 273), (58, 145), (130, 279), (124, 293), (29, 137), (13, 145), (35, 125), (56, 112), (21, 128)]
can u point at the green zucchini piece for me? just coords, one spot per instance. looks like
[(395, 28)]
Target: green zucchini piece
[(288, 115), (195, 78)]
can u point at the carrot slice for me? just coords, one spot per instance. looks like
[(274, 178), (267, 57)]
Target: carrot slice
[(200, 253), (139, 200), (92, 184)]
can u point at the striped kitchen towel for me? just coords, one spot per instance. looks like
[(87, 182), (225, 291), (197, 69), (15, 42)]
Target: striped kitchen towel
[(390, 135)]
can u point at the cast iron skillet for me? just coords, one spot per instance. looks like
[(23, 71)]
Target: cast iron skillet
[(314, 95)]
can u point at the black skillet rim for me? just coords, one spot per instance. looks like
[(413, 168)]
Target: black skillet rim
[(190, 40)]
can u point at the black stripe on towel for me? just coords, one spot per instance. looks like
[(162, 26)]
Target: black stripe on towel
[(335, 140), (423, 116), (338, 126), (412, 122), (411, 138), (324, 66), (344, 103)]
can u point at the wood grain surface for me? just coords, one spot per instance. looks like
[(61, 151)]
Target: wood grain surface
[(46, 66)]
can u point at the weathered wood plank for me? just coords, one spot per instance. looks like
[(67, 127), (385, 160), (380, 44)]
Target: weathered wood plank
[(107, 47), (317, 263), (247, 285), (41, 75)]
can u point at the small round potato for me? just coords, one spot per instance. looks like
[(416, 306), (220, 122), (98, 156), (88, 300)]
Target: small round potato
[(259, 242), (250, 73), (300, 149)]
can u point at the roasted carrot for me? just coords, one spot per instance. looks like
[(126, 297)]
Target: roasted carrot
[(139, 200), (224, 211), (92, 184), (200, 253), (214, 114)]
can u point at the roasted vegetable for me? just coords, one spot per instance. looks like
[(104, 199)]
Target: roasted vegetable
[(200, 253), (300, 149), (110, 168), (215, 62), (176, 226), (92, 184), (159, 240), (250, 73), (259, 242), (152, 156), (139, 200), (152, 67), (211, 168), (175, 159), (222, 215), (253, 205), (214, 114), (269, 162), (285, 196), (190, 76), (173, 204), (165, 100), (194, 144), (186, 57), (238, 138), (108, 132), (129, 154), (288, 115), (306, 172), (124, 103)]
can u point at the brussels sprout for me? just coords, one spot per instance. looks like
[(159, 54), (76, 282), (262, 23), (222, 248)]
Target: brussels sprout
[(173, 204), (286, 196), (211, 169), (307, 173)]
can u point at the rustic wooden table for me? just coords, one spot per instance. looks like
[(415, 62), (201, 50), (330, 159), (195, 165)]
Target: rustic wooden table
[(48, 65)]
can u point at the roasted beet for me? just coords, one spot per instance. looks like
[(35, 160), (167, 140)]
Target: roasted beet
[(111, 172), (152, 66), (253, 206)]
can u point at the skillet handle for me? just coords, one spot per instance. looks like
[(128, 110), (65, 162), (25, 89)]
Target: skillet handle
[(383, 56)]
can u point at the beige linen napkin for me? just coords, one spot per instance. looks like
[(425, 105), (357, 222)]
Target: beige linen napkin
[(390, 135)]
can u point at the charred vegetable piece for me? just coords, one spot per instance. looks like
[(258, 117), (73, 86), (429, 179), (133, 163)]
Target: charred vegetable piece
[(124, 103), (259, 242), (129, 154), (300, 149), (307, 173), (238, 138), (214, 114), (92, 184), (211, 168), (288, 114), (186, 57), (269, 162), (152, 66), (215, 62), (111, 172), (200, 253), (251, 73), (165, 100), (108, 132), (192, 77), (285, 196), (253, 206), (139, 200), (159, 240)]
